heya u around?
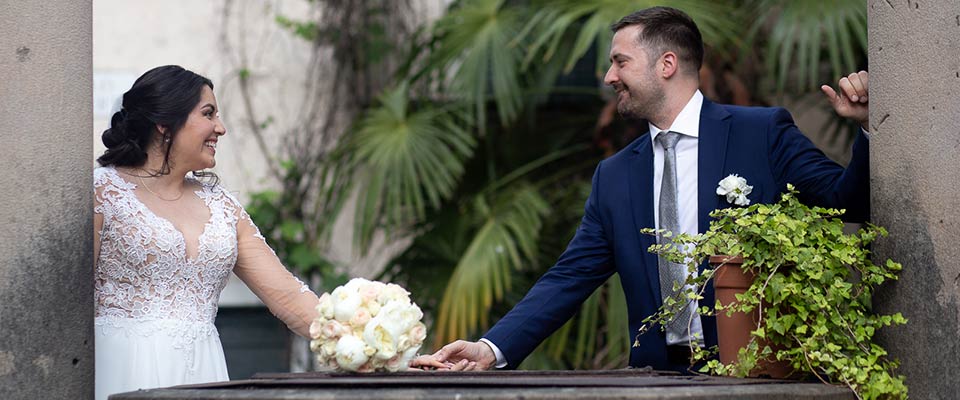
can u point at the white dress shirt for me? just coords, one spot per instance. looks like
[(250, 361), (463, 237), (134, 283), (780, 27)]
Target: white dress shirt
[(687, 124)]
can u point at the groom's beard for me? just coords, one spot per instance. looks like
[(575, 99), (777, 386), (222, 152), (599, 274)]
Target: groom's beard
[(639, 102)]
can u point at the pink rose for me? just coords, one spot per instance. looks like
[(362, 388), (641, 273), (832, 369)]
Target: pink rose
[(315, 328), (369, 292), (332, 329), (360, 318), (418, 332), (394, 364)]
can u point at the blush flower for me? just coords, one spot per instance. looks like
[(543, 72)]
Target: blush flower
[(366, 326)]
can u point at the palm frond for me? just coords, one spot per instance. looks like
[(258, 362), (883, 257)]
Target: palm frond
[(800, 36), (506, 240), (592, 21), (410, 160), (477, 39)]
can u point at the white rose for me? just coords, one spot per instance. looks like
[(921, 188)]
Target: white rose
[(354, 284), (403, 343), (380, 338), (325, 307), (393, 292), (345, 303), (369, 351), (316, 346), (350, 354), (374, 308), (411, 314), (329, 348), (735, 189), (376, 364), (398, 317)]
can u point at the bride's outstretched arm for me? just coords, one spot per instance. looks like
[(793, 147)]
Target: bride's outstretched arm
[(258, 266)]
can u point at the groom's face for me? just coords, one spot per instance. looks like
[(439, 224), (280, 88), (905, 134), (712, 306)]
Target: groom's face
[(631, 73)]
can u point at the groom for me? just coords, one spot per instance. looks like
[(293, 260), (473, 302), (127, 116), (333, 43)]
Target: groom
[(668, 179)]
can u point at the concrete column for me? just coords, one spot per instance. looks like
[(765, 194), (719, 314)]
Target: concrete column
[(46, 216), (915, 168)]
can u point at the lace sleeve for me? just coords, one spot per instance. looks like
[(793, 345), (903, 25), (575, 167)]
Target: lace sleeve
[(259, 268)]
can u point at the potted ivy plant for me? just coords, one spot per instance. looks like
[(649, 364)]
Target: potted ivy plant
[(809, 292)]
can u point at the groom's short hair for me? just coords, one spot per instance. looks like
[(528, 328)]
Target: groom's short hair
[(665, 29)]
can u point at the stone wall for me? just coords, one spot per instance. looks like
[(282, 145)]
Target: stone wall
[(915, 169), (46, 260)]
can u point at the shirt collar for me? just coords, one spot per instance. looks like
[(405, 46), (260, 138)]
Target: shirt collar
[(687, 122)]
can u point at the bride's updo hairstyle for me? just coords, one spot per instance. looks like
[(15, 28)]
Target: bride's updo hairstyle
[(163, 96)]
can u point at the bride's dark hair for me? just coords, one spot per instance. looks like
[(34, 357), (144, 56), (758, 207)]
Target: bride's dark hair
[(162, 96)]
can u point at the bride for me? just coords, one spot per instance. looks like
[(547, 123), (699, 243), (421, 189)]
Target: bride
[(165, 241)]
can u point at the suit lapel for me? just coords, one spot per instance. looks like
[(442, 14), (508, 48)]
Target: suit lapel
[(640, 174), (712, 151)]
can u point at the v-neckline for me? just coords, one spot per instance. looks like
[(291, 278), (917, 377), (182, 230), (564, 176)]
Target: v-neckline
[(183, 238)]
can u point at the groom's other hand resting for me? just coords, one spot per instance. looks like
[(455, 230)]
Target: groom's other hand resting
[(459, 356)]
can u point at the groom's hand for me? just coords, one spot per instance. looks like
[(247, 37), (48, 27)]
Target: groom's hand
[(466, 356), (852, 99)]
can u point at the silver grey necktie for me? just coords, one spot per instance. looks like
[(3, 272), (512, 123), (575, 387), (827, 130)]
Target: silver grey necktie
[(669, 220)]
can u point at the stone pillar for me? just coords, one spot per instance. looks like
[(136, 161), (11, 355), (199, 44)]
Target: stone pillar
[(915, 168), (46, 215)]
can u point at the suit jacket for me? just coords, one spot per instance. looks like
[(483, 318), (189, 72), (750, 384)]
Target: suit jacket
[(760, 144)]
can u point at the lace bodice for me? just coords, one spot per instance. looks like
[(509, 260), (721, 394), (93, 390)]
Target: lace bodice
[(143, 271)]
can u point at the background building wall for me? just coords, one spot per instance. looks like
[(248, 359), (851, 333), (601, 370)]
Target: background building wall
[(46, 201), (915, 171)]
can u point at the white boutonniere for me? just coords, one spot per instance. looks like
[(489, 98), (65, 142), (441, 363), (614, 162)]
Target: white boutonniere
[(735, 188)]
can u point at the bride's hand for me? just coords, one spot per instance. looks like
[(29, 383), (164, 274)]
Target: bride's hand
[(427, 363)]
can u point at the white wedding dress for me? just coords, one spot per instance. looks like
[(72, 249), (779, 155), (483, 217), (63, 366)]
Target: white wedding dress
[(155, 305)]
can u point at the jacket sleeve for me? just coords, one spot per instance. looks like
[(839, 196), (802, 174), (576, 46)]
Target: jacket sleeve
[(820, 181), (584, 265)]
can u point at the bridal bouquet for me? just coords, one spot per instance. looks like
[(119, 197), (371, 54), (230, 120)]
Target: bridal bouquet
[(367, 326)]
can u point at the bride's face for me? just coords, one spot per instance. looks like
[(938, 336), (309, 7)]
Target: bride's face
[(195, 146)]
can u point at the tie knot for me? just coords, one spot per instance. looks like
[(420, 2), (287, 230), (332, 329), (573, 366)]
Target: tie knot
[(668, 139)]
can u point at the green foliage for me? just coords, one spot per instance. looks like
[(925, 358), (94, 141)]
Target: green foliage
[(296, 244), (479, 42), (812, 291), (306, 30), (410, 160)]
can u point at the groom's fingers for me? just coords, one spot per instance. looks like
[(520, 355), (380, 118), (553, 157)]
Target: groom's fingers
[(854, 86), (830, 93), (449, 350)]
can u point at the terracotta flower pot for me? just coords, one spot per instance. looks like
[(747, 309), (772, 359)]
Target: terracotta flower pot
[(733, 332)]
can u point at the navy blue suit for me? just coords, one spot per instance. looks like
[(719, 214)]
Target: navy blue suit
[(760, 144)]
